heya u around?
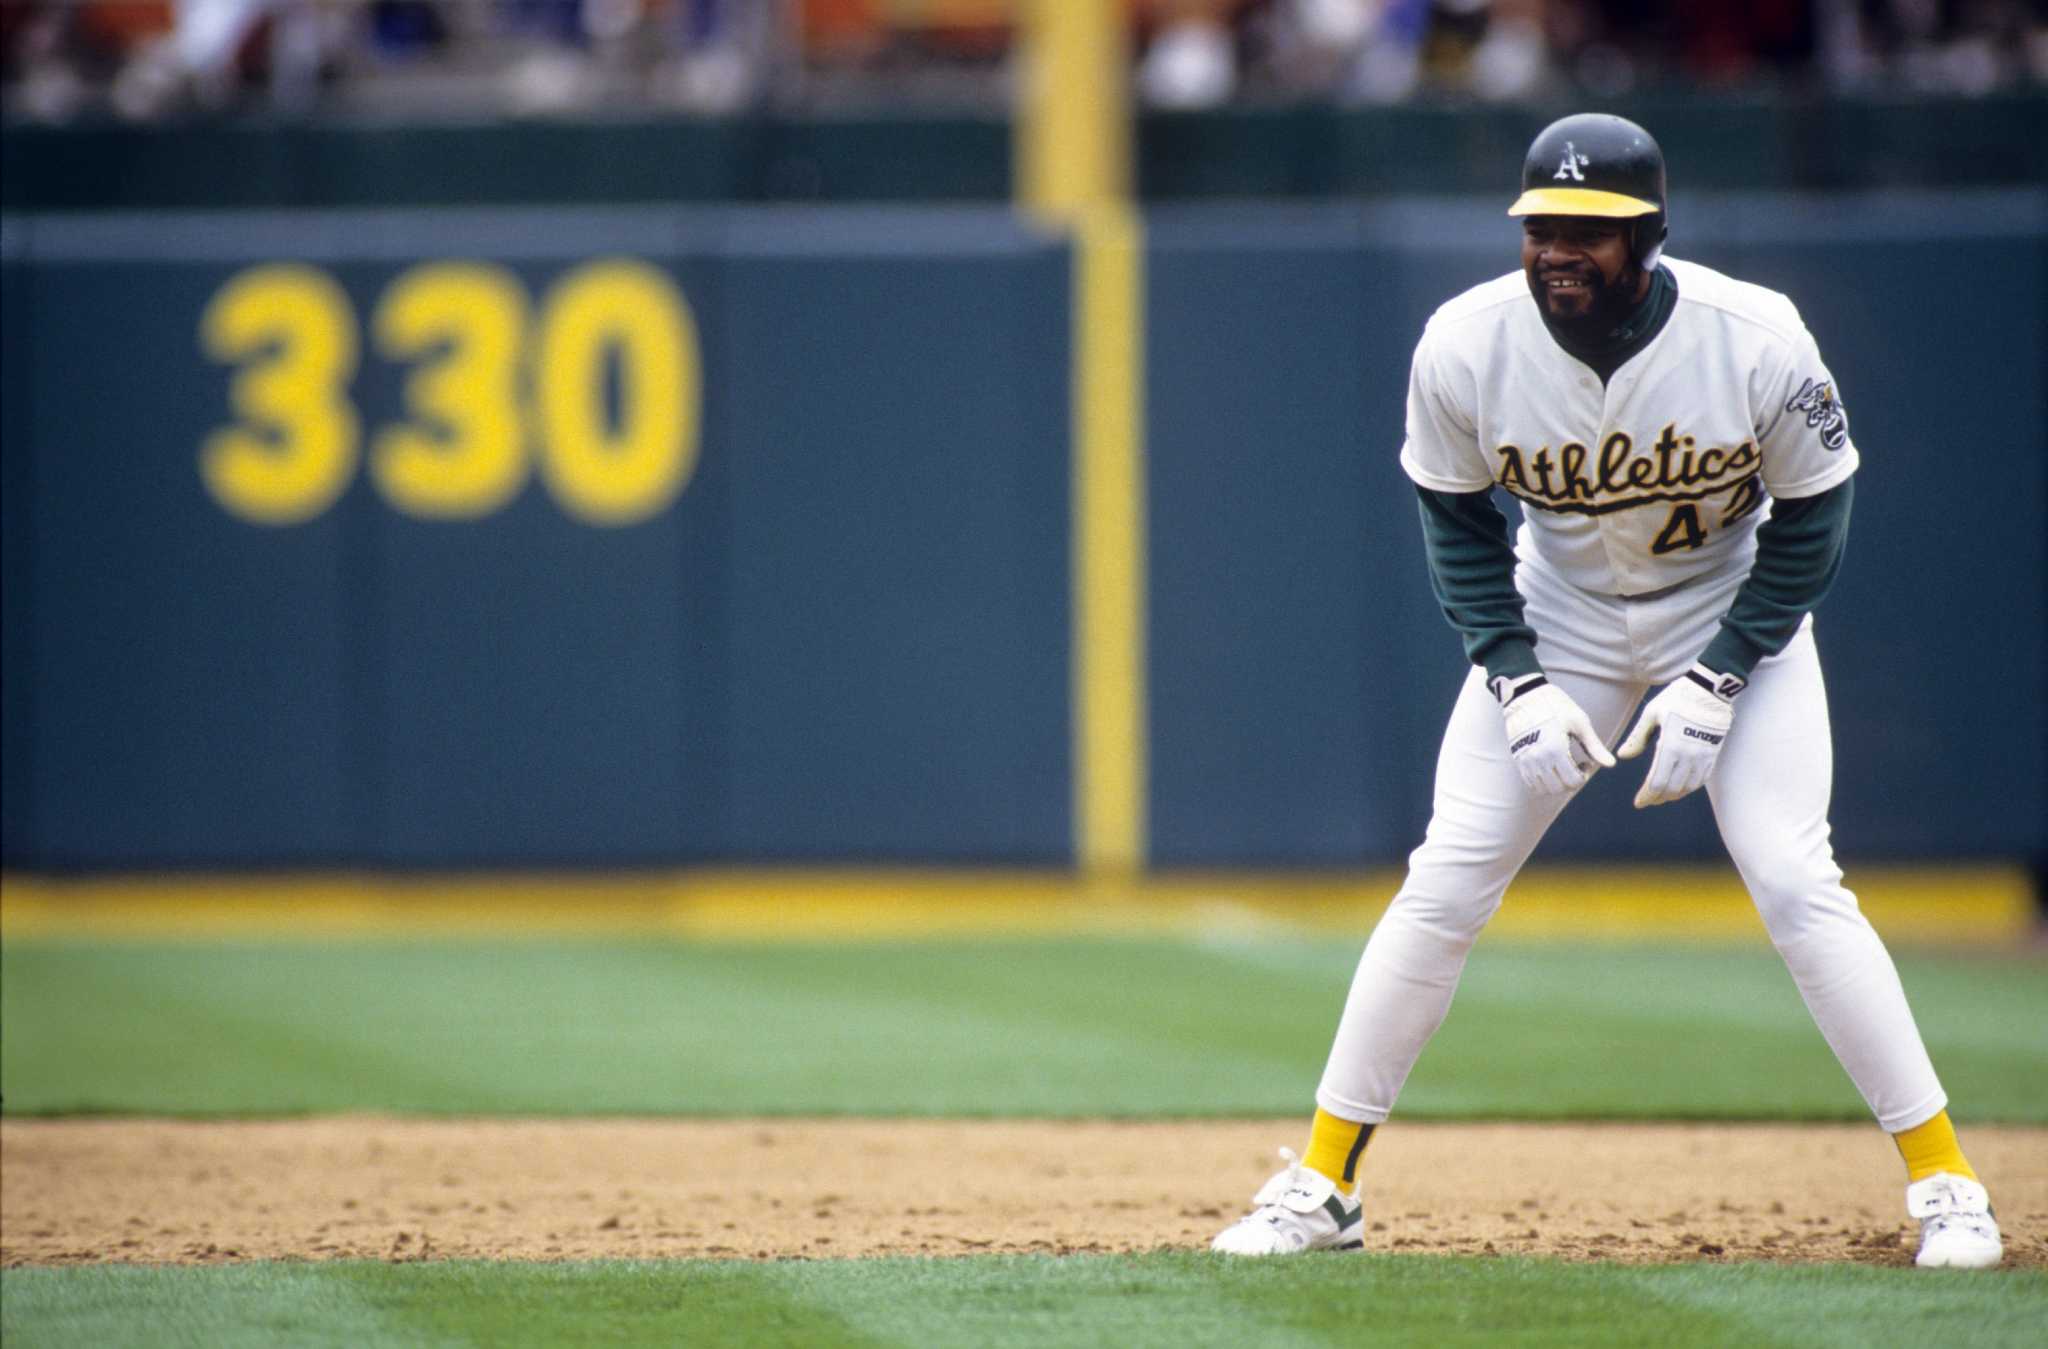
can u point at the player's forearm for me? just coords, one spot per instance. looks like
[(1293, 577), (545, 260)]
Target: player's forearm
[(1472, 570), (1798, 553)]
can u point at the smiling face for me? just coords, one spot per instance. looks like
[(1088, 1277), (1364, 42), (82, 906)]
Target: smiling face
[(1579, 270)]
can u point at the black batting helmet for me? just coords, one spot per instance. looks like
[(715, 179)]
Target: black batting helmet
[(1593, 163)]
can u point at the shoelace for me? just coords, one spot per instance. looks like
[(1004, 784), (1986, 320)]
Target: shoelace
[(1983, 1224), (1272, 1214), (1950, 1198)]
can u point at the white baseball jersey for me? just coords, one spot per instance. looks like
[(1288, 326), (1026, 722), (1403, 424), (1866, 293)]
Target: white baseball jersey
[(1659, 477)]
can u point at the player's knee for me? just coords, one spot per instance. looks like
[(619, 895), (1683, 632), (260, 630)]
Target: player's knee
[(1446, 911), (1793, 893), (1785, 913)]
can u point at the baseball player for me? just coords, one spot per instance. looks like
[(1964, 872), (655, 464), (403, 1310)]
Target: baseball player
[(1684, 468)]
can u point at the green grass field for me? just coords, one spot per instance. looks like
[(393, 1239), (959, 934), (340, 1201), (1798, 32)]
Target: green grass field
[(1168, 1300), (1138, 1027), (1126, 1027)]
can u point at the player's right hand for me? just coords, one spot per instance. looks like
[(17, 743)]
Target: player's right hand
[(1552, 741)]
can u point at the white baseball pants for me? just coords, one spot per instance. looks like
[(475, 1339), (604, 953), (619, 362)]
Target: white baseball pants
[(1770, 793)]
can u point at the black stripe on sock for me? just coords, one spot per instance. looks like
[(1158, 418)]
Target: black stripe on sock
[(1351, 1158)]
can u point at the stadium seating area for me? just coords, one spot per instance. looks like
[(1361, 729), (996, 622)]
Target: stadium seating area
[(143, 60)]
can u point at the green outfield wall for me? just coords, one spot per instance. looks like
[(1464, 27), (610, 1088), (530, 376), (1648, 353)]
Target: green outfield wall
[(582, 535), (467, 538)]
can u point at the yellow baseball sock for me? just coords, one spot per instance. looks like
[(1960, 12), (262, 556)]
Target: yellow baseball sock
[(1335, 1147), (1932, 1147)]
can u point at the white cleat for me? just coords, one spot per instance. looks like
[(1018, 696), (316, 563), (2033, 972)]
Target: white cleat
[(1957, 1230), (1297, 1210)]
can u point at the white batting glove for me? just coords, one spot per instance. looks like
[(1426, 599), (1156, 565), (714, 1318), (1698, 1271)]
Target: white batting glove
[(1552, 742), (1691, 718)]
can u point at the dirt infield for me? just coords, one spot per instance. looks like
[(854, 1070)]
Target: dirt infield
[(75, 1191)]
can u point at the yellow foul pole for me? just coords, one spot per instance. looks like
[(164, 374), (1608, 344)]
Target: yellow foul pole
[(1073, 170)]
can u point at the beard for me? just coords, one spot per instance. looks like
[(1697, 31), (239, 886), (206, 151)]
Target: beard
[(1608, 304)]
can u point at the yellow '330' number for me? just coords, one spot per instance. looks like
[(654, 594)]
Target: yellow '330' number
[(479, 398)]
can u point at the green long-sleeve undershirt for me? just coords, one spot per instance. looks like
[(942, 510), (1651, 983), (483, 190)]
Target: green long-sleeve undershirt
[(1472, 570), (1798, 555)]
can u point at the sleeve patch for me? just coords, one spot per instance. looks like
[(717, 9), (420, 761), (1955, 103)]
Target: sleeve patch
[(1823, 412)]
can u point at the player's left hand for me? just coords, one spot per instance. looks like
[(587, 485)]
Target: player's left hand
[(1690, 718)]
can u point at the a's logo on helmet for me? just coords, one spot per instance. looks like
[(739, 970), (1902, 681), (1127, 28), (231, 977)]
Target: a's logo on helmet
[(1572, 163)]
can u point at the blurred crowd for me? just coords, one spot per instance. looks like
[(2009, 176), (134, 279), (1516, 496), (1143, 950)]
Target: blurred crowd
[(152, 59)]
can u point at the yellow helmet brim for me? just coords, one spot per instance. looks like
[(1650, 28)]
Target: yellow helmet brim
[(1581, 201)]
